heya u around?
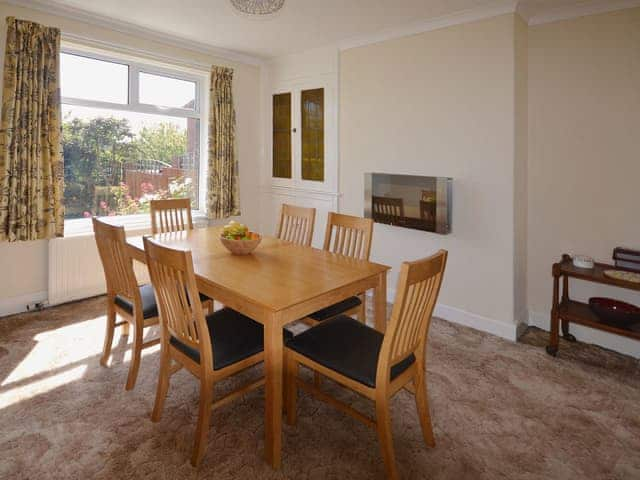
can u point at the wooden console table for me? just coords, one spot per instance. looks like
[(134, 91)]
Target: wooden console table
[(565, 311)]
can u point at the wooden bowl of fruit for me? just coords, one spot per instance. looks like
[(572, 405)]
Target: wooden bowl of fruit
[(237, 238)]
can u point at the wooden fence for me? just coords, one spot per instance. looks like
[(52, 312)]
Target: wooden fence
[(160, 180)]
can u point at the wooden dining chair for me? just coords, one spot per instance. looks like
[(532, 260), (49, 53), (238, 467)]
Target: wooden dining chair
[(296, 224), (171, 215), (174, 215), (211, 348), (350, 236), (373, 364), (136, 305)]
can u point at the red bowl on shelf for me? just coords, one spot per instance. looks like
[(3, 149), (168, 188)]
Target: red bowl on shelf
[(614, 312)]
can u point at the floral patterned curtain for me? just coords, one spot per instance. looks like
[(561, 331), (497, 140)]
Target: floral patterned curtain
[(223, 192), (31, 164)]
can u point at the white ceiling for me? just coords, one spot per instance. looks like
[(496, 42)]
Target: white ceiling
[(300, 25)]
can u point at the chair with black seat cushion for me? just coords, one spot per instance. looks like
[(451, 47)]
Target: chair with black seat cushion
[(136, 305), (296, 224), (171, 215), (211, 348), (350, 236), (149, 307), (174, 215), (373, 364)]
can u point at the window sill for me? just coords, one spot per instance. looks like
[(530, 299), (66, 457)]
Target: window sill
[(134, 224)]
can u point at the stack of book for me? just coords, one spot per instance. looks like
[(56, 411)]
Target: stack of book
[(627, 259)]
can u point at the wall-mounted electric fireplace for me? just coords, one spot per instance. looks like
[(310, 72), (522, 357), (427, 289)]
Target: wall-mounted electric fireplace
[(410, 201)]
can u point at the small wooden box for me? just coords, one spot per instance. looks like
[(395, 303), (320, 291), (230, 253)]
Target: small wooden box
[(627, 259)]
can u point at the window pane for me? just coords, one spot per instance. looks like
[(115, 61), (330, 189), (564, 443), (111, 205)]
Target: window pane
[(282, 135), (115, 162), (312, 105), (91, 79), (167, 91)]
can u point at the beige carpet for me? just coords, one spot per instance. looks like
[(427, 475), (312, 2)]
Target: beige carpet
[(500, 409)]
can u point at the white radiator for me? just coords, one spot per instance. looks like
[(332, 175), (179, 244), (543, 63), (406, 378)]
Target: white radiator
[(75, 270)]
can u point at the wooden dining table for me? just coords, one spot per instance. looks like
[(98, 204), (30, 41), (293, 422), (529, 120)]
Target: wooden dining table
[(277, 284)]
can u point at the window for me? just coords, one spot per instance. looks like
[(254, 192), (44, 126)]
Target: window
[(84, 78), (153, 90), (131, 133)]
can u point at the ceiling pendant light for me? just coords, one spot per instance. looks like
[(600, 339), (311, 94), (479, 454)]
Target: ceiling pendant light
[(258, 7)]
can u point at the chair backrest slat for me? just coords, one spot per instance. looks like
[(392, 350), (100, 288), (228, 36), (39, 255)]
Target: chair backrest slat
[(296, 224), (116, 261), (172, 215), (418, 288), (348, 235), (177, 296), (387, 210)]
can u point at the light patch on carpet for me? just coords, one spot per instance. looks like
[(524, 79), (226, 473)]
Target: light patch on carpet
[(25, 392), (49, 353)]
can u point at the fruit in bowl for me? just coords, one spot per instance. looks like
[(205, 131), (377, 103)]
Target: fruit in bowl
[(238, 239), (236, 231)]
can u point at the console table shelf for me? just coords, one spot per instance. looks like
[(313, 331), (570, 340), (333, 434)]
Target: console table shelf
[(565, 311)]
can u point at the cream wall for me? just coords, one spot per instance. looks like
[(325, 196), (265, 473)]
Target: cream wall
[(520, 170), (23, 266), (584, 163), (441, 103)]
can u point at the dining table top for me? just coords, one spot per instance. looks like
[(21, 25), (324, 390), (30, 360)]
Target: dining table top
[(276, 275)]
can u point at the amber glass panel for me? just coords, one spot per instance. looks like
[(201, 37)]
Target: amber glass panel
[(312, 103), (282, 135)]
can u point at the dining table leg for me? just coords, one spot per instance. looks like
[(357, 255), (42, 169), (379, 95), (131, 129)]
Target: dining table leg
[(273, 362), (380, 302)]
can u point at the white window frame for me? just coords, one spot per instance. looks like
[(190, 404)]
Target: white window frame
[(143, 221)]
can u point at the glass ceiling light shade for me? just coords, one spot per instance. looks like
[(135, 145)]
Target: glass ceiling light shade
[(258, 7)]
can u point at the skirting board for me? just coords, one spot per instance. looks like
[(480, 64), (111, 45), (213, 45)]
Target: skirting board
[(508, 331), (13, 305), (626, 346), (504, 330)]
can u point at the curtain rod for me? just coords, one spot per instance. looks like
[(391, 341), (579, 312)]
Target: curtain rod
[(136, 52)]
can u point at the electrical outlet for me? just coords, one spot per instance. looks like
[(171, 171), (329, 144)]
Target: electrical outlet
[(35, 307)]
